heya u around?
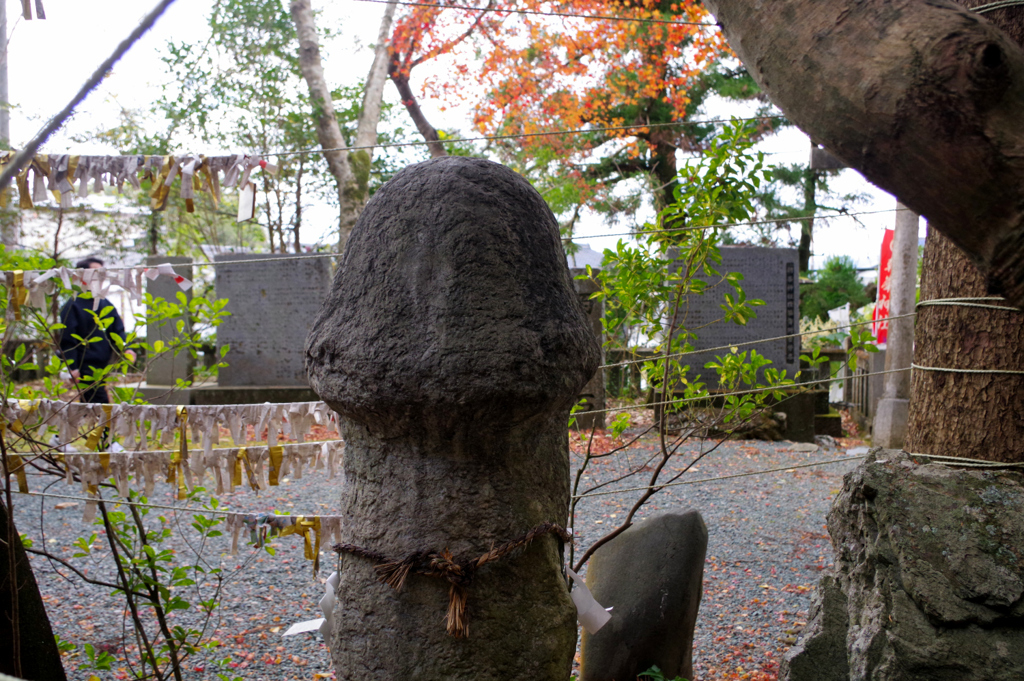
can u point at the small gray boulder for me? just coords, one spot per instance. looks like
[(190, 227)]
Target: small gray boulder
[(652, 576)]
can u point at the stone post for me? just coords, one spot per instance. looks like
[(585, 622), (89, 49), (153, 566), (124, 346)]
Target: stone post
[(167, 368), (593, 391), (452, 345), (890, 424)]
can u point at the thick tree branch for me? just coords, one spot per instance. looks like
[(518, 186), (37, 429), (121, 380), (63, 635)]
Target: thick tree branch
[(327, 130), (351, 171), (923, 97), (373, 95), (400, 78)]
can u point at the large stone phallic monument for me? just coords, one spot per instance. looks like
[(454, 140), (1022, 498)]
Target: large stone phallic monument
[(452, 344)]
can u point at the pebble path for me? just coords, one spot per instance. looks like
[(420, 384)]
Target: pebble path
[(767, 548)]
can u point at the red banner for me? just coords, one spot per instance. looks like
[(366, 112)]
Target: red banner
[(879, 329)]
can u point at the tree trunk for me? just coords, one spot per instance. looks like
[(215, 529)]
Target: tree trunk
[(807, 226), (429, 132), (297, 223), (925, 99), (979, 416), (40, 658), (351, 171), (373, 95), (665, 171), (964, 414), (154, 233)]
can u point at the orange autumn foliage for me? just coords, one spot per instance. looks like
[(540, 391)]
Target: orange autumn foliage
[(526, 73)]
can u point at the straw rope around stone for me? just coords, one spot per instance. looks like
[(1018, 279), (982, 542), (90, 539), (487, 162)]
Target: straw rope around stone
[(442, 564)]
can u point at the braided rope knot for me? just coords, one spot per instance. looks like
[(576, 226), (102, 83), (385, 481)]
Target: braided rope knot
[(443, 565)]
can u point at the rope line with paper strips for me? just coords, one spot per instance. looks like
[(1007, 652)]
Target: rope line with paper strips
[(442, 564), (57, 174), (226, 465), (261, 526), (138, 424), (30, 288)]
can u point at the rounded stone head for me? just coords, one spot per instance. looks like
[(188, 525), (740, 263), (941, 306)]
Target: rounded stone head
[(453, 307)]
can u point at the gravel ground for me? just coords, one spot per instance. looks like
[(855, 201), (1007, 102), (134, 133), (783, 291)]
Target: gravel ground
[(767, 547)]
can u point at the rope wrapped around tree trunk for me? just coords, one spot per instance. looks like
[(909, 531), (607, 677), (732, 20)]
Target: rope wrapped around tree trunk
[(442, 564)]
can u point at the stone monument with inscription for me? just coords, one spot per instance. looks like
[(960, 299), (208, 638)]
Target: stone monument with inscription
[(593, 391), (272, 303), (769, 274)]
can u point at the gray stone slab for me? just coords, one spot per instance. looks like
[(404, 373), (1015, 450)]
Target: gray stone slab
[(272, 306), (593, 391), (769, 274), (651, 576), (165, 369)]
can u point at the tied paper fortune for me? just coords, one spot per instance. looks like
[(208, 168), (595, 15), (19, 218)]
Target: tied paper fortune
[(588, 611)]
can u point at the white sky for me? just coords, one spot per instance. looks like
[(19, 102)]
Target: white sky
[(48, 60)]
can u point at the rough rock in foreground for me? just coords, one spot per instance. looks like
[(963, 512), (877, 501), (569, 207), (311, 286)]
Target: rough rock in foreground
[(928, 581)]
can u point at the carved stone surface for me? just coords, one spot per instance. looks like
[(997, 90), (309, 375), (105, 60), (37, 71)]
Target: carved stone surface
[(928, 580), (652, 577), (452, 345)]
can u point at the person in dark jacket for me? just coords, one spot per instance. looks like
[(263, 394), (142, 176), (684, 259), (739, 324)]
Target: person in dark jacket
[(83, 357)]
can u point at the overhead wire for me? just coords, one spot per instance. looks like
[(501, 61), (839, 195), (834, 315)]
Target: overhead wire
[(140, 504), (741, 224), (751, 391), (524, 135), (753, 342), (259, 261), (944, 460), (570, 15), (719, 477), (993, 6)]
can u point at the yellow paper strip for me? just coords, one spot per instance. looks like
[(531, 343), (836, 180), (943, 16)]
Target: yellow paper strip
[(250, 471), (276, 456), (18, 293), (160, 190), (24, 194), (182, 456), (236, 474), (18, 468), (304, 526)]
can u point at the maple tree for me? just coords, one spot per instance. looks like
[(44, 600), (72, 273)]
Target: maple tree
[(613, 63), (426, 32)]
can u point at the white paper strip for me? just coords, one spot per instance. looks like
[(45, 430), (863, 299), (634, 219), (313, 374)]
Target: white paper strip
[(303, 627), (247, 202), (588, 611), (324, 624)]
